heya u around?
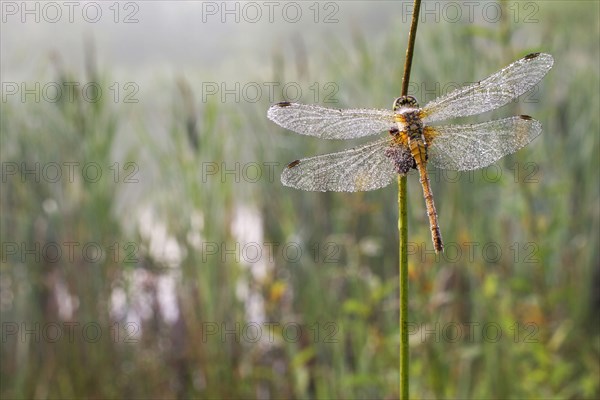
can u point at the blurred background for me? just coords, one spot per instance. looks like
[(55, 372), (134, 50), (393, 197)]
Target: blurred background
[(150, 251)]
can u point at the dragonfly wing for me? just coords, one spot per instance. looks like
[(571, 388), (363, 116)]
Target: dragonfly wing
[(329, 123), (359, 169), (492, 92), (467, 147)]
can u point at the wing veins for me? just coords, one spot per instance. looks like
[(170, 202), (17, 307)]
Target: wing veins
[(357, 169), (492, 92), (328, 123), (467, 147)]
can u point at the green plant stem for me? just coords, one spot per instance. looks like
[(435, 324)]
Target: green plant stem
[(402, 227), (403, 224)]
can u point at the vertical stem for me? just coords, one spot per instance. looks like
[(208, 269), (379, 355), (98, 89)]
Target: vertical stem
[(403, 224), (412, 35), (402, 227)]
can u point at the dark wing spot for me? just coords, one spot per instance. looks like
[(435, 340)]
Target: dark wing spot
[(525, 117), (531, 56), (284, 104), (293, 164)]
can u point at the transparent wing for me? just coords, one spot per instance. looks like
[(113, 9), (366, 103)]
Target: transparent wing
[(328, 123), (359, 169), (492, 92), (466, 147)]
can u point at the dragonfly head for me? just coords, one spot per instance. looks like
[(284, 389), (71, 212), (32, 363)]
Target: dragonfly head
[(405, 102)]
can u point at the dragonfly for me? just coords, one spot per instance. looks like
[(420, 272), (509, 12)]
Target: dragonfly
[(412, 142)]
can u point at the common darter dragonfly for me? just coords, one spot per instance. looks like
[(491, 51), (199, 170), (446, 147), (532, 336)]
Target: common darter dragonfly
[(412, 141)]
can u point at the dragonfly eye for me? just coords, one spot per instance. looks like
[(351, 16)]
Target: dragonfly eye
[(405, 102)]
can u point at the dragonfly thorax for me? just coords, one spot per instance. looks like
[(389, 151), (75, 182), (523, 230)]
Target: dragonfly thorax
[(408, 113), (413, 123)]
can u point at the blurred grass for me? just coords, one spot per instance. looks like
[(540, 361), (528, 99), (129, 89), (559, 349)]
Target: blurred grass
[(347, 291)]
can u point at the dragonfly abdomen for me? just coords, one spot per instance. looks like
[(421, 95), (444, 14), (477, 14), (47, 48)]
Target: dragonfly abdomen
[(418, 149), (434, 226)]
